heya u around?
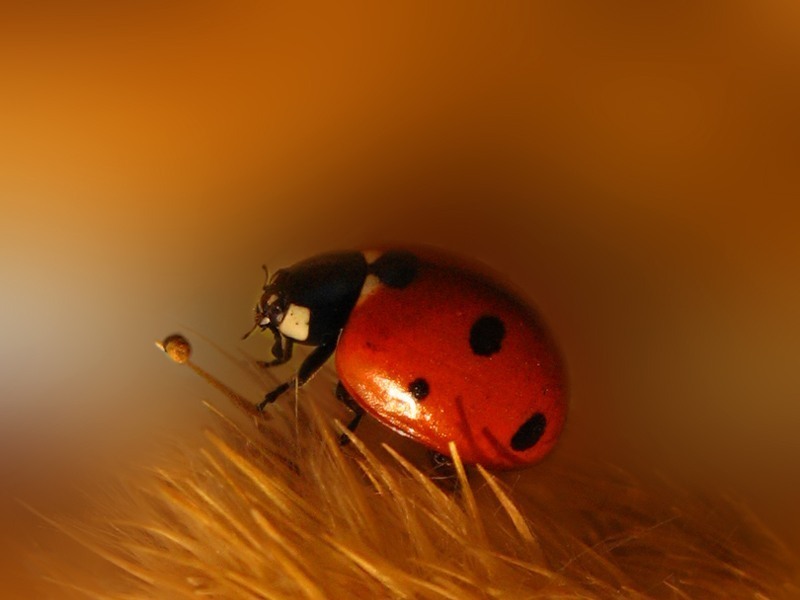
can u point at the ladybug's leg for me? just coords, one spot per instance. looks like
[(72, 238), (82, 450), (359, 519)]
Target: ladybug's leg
[(441, 461), (444, 471), (281, 350), (345, 398), (311, 365)]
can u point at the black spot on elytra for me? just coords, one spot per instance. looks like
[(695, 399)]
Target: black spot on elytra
[(395, 268), (419, 388), (529, 433), (486, 335)]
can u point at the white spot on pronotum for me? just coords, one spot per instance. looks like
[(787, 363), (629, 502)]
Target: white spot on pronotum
[(371, 255), (371, 283), (295, 322)]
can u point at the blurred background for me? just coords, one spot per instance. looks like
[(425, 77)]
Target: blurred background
[(634, 167)]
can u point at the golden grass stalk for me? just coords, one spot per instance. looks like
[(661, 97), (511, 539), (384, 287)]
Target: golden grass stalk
[(277, 509)]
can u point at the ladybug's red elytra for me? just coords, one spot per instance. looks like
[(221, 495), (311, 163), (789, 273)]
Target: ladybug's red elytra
[(436, 350)]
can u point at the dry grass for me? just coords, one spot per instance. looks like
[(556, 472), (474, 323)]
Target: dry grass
[(274, 508)]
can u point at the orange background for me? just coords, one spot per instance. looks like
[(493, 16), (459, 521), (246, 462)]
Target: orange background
[(633, 167)]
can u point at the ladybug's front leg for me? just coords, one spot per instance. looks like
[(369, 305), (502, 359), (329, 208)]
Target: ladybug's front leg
[(310, 366), (345, 398), (281, 350)]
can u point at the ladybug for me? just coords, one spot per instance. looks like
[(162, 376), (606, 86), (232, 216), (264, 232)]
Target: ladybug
[(436, 350)]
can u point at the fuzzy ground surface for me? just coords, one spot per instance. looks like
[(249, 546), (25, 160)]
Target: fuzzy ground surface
[(273, 507)]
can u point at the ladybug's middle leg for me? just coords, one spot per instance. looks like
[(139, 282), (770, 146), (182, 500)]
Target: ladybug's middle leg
[(345, 398), (308, 368)]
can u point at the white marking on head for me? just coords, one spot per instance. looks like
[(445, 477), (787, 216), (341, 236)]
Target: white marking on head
[(295, 322), (264, 322)]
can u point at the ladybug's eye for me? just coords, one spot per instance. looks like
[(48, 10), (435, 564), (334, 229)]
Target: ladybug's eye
[(269, 311), (274, 314), (267, 302)]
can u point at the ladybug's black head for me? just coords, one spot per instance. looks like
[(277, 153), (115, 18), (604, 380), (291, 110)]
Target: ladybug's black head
[(271, 309), (309, 302)]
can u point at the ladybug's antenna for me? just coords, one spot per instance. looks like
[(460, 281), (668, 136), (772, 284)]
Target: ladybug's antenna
[(249, 333), (266, 284), (266, 275)]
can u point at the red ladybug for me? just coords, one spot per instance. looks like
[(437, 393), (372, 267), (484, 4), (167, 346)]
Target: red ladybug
[(434, 349)]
